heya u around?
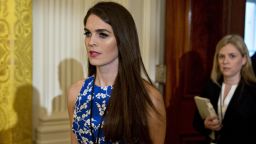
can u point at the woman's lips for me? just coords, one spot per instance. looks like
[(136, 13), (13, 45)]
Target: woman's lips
[(94, 54), (226, 68)]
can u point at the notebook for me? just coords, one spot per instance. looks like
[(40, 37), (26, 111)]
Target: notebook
[(204, 107)]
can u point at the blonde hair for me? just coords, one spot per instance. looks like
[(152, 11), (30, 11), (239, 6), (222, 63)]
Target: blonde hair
[(247, 73)]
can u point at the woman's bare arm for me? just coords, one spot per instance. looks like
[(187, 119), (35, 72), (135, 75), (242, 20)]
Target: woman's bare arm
[(73, 92), (157, 121)]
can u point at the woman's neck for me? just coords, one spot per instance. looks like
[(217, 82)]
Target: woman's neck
[(106, 75), (105, 79), (232, 80)]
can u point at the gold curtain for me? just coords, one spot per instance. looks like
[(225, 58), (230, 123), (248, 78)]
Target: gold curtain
[(16, 72)]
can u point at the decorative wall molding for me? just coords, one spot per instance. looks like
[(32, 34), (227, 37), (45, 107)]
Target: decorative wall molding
[(15, 71), (54, 129)]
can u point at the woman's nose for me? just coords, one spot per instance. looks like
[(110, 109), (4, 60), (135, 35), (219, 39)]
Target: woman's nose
[(225, 60), (91, 40)]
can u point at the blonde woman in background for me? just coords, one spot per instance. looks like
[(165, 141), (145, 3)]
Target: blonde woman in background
[(232, 91)]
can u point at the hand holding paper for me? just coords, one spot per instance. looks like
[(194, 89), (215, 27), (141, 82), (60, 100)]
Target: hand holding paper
[(204, 107)]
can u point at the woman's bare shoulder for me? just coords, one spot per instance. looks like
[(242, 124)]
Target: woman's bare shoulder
[(155, 95), (76, 87), (156, 120), (156, 99), (74, 90)]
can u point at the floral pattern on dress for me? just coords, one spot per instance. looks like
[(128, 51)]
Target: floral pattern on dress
[(82, 120)]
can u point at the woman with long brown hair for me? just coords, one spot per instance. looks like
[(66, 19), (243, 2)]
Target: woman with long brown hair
[(115, 104)]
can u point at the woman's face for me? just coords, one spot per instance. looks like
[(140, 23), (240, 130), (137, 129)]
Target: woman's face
[(100, 42), (230, 61)]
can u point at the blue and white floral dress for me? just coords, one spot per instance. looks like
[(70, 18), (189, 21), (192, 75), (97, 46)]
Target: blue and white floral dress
[(87, 125)]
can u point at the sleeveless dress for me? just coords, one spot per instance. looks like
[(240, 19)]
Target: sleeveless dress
[(89, 112)]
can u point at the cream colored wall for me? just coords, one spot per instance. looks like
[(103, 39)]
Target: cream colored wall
[(149, 18)]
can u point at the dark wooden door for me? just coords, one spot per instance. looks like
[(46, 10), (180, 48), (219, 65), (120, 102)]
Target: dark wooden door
[(193, 28)]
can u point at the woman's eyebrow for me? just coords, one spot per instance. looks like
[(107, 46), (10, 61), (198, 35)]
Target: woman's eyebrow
[(85, 29), (98, 30), (102, 30)]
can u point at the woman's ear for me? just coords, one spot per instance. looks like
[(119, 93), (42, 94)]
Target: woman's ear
[(244, 60)]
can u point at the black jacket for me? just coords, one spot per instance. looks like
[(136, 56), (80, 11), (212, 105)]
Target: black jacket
[(239, 123)]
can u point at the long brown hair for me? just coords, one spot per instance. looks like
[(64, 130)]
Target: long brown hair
[(126, 118)]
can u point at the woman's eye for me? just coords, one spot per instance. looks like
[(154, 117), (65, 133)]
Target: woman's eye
[(232, 56), (87, 34), (103, 35), (221, 56)]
